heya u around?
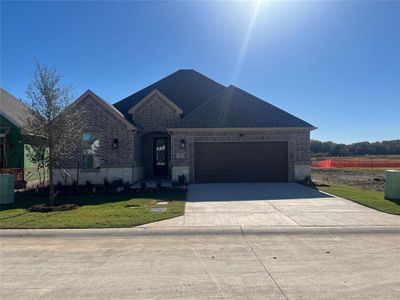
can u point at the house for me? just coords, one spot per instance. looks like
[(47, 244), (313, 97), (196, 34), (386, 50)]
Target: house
[(188, 124), (13, 150)]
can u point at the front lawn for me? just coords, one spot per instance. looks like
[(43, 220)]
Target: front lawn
[(95, 211), (371, 199)]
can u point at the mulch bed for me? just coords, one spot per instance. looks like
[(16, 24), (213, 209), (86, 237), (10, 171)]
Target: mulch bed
[(52, 208)]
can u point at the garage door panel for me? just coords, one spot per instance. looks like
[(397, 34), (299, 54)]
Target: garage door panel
[(241, 162)]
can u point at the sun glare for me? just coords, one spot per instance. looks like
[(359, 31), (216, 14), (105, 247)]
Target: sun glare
[(246, 39)]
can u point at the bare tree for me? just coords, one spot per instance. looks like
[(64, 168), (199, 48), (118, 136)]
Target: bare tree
[(56, 125)]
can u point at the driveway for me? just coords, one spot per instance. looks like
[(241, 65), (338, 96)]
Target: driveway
[(272, 204)]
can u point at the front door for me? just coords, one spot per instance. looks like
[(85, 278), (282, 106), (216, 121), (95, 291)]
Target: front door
[(160, 157)]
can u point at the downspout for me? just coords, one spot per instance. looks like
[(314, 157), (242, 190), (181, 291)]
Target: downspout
[(171, 151), (133, 149)]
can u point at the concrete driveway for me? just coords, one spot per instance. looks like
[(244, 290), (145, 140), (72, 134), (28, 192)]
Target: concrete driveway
[(272, 204)]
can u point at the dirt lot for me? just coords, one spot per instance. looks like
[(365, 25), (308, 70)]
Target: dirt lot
[(370, 179)]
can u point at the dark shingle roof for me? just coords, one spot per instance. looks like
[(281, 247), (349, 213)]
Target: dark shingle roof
[(13, 109), (186, 88), (235, 108)]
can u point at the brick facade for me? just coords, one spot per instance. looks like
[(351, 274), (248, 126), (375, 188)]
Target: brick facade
[(154, 116), (101, 122), (182, 160), (133, 159)]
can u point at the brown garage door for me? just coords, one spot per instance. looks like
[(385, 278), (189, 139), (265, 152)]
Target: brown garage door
[(241, 162)]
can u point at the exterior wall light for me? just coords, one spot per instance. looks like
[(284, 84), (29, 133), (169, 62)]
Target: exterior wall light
[(183, 144), (115, 144)]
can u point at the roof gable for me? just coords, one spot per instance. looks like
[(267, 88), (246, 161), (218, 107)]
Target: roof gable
[(13, 109), (187, 89), (177, 109), (118, 115), (235, 108)]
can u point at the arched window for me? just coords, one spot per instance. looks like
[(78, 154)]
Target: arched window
[(91, 147)]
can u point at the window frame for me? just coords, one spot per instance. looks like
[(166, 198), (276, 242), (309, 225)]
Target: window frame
[(88, 145)]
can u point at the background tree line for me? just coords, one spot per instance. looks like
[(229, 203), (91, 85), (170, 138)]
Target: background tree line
[(319, 148)]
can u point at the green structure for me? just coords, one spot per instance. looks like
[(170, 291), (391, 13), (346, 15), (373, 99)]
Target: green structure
[(11, 145), (6, 189), (13, 151), (392, 184)]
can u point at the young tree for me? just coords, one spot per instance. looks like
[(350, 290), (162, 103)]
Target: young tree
[(37, 154), (56, 125)]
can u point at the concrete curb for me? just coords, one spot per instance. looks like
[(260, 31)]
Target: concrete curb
[(193, 231)]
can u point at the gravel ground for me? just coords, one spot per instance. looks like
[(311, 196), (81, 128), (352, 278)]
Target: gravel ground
[(370, 179)]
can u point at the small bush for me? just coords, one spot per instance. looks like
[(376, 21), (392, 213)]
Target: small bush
[(175, 183), (106, 186), (307, 181), (127, 185), (106, 183), (159, 186), (59, 186), (182, 179), (117, 183), (143, 185)]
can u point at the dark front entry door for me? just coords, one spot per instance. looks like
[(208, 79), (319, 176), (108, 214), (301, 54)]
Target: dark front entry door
[(160, 157)]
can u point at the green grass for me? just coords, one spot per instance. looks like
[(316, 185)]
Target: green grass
[(371, 199), (95, 211)]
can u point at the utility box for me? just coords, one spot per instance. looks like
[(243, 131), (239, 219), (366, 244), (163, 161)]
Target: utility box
[(7, 183), (392, 184)]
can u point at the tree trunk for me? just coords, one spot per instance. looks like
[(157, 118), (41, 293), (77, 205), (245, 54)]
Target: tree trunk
[(51, 198)]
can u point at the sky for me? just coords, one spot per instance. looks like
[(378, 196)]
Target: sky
[(335, 64)]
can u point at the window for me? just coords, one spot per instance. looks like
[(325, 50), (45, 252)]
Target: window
[(160, 152), (91, 146)]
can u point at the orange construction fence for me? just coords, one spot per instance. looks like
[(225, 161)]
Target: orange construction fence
[(353, 163)]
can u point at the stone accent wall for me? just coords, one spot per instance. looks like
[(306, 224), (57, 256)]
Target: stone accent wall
[(107, 127), (97, 176), (298, 146), (155, 115)]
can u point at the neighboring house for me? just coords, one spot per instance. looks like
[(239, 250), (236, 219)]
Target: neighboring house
[(187, 124), (13, 152)]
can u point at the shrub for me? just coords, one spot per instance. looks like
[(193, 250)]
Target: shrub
[(182, 179), (127, 185), (59, 186), (175, 183), (106, 183), (307, 181), (159, 186), (117, 183), (143, 184), (106, 186)]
